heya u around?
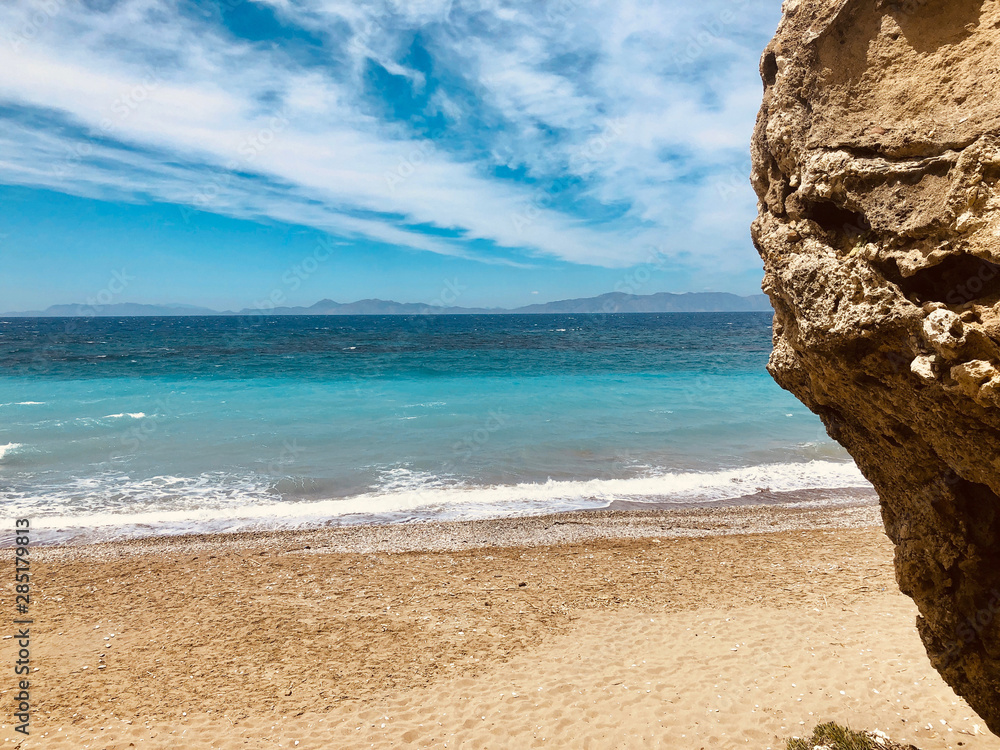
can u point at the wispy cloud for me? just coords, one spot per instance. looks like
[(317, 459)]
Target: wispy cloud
[(591, 132)]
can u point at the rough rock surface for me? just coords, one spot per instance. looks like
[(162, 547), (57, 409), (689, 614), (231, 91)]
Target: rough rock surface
[(877, 166)]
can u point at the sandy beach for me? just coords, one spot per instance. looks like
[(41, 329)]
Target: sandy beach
[(734, 627)]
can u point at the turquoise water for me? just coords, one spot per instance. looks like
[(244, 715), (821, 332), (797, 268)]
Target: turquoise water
[(113, 427)]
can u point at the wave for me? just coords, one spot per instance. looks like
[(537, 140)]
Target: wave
[(226, 502), (5, 449), (24, 403), (131, 415), (406, 489)]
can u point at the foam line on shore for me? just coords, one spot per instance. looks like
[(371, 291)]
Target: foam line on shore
[(411, 496)]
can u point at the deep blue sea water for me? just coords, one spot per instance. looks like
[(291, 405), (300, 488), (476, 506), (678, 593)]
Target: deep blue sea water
[(137, 426)]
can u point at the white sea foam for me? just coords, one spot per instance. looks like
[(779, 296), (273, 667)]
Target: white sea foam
[(23, 403), (131, 415), (5, 449), (219, 501)]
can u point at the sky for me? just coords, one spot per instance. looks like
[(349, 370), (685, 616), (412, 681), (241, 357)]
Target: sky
[(246, 153)]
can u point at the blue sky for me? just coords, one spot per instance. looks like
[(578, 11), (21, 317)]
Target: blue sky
[(231, 152)]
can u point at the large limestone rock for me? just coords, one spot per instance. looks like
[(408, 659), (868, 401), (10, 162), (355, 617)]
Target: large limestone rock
[(877, 163)]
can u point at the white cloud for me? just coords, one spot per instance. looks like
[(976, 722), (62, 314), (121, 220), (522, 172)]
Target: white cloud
[(183, 111)]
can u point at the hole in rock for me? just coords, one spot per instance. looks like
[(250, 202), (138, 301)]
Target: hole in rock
[(980, 509), (957, 280), (769, 69), (836, 220)]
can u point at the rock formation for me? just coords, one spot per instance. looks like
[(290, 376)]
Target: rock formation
[(877, 165)]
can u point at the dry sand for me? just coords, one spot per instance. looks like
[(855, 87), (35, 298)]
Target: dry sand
[(608, 630)]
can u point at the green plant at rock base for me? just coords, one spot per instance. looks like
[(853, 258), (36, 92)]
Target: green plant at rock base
[(835, 737)]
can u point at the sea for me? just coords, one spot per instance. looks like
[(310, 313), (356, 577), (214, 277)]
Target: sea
[(113, 428)]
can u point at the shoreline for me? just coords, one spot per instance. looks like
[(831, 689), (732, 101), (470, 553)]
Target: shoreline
[(753, 514)]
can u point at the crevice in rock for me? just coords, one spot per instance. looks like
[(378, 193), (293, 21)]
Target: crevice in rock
[(957, 280), (869, 382), (901, 435), (836, 220), (911, 153)]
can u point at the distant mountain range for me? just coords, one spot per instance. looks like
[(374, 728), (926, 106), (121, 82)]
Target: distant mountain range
[(613, 302)]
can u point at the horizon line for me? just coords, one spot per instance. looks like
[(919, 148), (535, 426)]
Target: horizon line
[(99, 309)]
